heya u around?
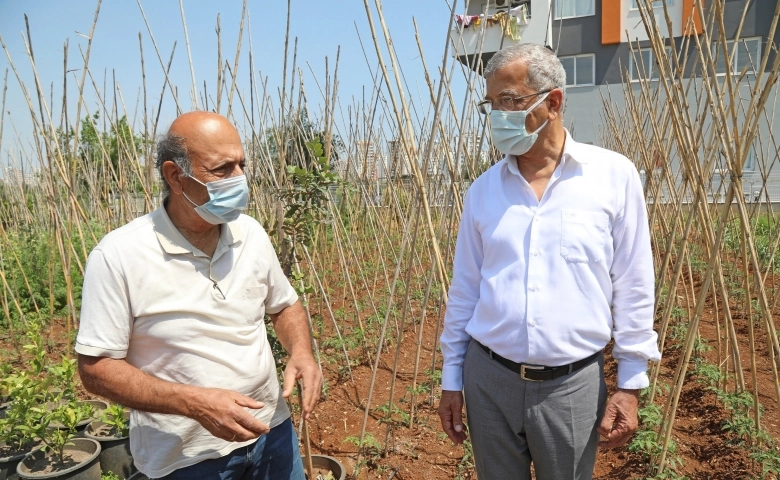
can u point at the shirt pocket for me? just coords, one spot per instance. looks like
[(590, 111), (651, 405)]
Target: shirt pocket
[(253, 297), (583, 234)]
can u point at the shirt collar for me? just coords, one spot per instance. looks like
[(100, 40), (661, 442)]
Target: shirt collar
[(173, 242), (571, 150)]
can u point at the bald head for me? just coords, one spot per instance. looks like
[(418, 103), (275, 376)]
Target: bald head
[(199, 142), (196, 127)]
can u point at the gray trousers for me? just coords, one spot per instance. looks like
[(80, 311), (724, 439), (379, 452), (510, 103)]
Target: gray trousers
[(514, 423)]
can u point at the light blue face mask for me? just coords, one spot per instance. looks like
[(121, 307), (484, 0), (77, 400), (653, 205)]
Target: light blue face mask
[(227, 199), (507, 129)]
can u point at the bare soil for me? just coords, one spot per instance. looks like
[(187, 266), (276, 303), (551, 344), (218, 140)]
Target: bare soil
[(103, 431), (49, 464), (412, 447), (8, 451)]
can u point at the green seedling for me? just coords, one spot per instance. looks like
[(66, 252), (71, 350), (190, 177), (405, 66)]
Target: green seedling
[(114, 417), (62, 376), (69, 415), (16, 428)]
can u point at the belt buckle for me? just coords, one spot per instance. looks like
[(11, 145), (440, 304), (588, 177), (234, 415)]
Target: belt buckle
[(524, 367)]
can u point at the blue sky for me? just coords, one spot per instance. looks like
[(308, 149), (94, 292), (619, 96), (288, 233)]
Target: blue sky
[(320, 26)]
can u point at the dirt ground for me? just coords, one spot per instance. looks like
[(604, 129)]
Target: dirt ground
[(422, 452)]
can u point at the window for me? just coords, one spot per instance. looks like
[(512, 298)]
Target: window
[(747, 55), (642, 65), (580, 69), (750, 160), (656, 4), (574, 8)]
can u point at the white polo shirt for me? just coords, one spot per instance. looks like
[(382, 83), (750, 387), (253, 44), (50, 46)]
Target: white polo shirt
[(150, 297)]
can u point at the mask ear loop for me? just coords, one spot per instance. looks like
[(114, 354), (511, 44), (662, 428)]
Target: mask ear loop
[(538, 102), (184, 175)]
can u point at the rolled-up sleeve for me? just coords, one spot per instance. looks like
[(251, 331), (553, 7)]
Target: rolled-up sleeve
[(633, 295), (462, 299), (106, 319)]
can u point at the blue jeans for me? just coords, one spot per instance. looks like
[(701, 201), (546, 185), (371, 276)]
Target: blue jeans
[(274, 456)]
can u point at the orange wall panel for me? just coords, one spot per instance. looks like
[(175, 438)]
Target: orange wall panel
[(690, 10), (610, 22)]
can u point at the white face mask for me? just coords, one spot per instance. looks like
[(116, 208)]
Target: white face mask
[(507, 129)]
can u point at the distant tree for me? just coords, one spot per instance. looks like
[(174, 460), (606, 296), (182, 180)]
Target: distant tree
[(293, 137)]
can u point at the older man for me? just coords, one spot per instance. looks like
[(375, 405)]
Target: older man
[(172, 321), (552, 260)]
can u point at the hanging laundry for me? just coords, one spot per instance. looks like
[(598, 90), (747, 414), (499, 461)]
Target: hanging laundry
[(466, 20), (521, 13)]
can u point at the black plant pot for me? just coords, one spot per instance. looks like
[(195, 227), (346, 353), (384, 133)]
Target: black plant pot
[(114, 451), (8, 466), (325, 462), (88, 469)]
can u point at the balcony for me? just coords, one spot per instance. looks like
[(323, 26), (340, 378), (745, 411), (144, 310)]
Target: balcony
[(480, 34)]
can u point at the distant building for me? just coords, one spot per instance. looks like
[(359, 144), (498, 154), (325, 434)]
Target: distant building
[(17, 176), (591, 38), (366, 163)]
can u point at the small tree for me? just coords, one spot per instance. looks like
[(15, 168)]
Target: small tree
[(57, 427)]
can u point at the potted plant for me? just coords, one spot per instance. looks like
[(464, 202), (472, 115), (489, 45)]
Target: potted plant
[(61, 379), (327, 468), (15, 440), (113, 433), (62, 456)]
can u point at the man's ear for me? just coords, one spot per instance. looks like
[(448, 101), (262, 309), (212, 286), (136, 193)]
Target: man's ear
[(173, 176), (555, 102)]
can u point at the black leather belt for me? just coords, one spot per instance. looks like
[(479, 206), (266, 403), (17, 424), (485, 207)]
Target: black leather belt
[(539, 373)]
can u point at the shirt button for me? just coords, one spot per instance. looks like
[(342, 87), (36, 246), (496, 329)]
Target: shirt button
[(534, 287), (532, 323), (534, 252), (536, 219)]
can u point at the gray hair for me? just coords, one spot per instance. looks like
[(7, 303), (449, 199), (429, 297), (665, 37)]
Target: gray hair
[(545, 70), (172, 147)]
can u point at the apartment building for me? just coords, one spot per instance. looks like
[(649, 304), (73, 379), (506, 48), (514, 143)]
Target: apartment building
[(593, 39)]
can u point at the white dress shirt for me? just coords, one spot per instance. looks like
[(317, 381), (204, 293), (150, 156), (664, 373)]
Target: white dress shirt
[(550, 281)]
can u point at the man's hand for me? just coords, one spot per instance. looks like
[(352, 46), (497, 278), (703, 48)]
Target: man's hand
[(451, 414), (222, 413), (620, 419), (303, 367)]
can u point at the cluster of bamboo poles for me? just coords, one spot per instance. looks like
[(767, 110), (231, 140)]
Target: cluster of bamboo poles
[(687, 132), (406, 164)]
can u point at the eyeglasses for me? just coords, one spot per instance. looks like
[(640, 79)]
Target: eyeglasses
[(505, 103)]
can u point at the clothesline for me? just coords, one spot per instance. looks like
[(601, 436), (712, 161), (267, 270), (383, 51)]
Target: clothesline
[(509, 21)]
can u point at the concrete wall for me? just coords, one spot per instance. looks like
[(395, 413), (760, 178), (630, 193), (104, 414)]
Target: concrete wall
[(584, 117)]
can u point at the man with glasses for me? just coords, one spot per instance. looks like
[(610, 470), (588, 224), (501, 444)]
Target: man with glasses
[(552, 261), (172, 321)]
